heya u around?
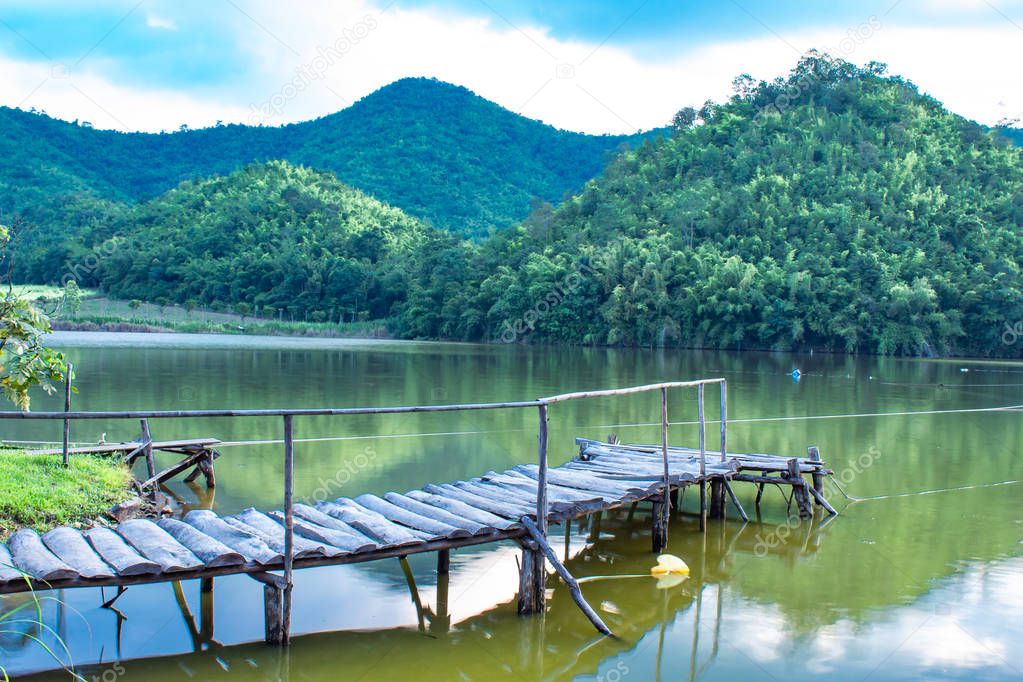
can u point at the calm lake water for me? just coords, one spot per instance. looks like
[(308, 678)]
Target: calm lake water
[(921, 578)]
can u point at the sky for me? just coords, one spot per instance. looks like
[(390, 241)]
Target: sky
[(596, 66)]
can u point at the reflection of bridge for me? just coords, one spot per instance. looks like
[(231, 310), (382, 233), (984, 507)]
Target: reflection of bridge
[(554, 648), (514, 505)]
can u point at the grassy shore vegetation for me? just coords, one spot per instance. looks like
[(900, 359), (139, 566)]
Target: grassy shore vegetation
[(36, 491)]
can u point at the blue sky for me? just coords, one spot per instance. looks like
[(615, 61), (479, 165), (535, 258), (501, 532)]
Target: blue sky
[(597, 66)]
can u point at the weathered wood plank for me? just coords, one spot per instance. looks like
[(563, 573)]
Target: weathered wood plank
[(462, 509), (74, 550), (349, 543), (473, 500), (315, 516), (370, 523), (272, 533), (158, 545), (244, 542), (391, 511), (31, 556), (119, 554), (422, 509), (503, 501), (8, 571), (210, 551)]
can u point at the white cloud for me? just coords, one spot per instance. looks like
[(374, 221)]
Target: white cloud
[(153, 21), (316, 58)]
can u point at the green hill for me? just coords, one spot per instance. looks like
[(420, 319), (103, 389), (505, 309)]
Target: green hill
[(839, 209), (435, 150), (275, 237)]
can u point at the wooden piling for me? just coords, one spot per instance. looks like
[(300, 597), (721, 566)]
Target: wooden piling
[(814, 454), (65, 455), (443, 562), (273, 600), (799, 493), (289, 526), (661, 531), (717, 498), (703, 457), (147, 449)]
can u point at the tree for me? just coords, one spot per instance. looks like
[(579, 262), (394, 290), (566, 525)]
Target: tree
[(243, 309), (134, 304), (72, 297), (25, 362)]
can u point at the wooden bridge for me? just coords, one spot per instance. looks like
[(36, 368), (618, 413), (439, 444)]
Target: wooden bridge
[(517, 504)]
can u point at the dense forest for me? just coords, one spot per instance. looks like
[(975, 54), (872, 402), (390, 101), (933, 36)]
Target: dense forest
[(435, 150), (837, 209)]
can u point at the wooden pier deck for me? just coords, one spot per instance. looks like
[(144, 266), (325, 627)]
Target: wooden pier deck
[(516, 504)]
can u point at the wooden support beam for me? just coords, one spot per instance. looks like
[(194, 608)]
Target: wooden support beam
[(717, 498), (799, 489), (147, 449), (443, 562), (814, 454), (703, 456), (532, 597), (573, 585), (65, 458), (206, 609), (273, 603), (822, 502), (735, 500), (659, 531)]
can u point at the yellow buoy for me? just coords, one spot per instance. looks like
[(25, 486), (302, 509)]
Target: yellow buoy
[(669, 564)]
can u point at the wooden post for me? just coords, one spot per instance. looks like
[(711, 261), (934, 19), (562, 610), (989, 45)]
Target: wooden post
[(66, 458), (717, 498), (274, 623), (443, 562), (658, 533), (660, 530), (206, 609), (441, 620), (289, 527), (147, 449), (799, 489), (814, 454), (533, 578), (724, 420), (703, 457)]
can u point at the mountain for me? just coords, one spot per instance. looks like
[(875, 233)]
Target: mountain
[(838, 209), (435, 150), (273, 236), (1014, 134)]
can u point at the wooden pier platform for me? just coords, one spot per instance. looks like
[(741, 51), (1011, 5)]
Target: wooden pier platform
[(516, 504)]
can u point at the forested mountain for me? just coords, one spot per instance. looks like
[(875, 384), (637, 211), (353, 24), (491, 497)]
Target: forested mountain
[(435, 150), (838, 209), (273, 237), (1014, 134)]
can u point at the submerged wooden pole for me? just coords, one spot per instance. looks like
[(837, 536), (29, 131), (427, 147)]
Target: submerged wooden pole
[(65, 455), (703, 457), (661, 511), (533, 576), (147, 448), (570, 581), (814, 455), (795, 478), (289, 527)]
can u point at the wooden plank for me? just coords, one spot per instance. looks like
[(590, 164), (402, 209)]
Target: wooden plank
[(8, 571), (502, 500), (174, 469), (559, 491), (244, 542), (422, 509), (119, 554), (461, 509), (575, 479), (210, 551), (370, 523), (158, 545), (391, 511), (315, 516), (74, 550), (486, 504), (272, 533), (31, 556), (347, 542), (554, 507)]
